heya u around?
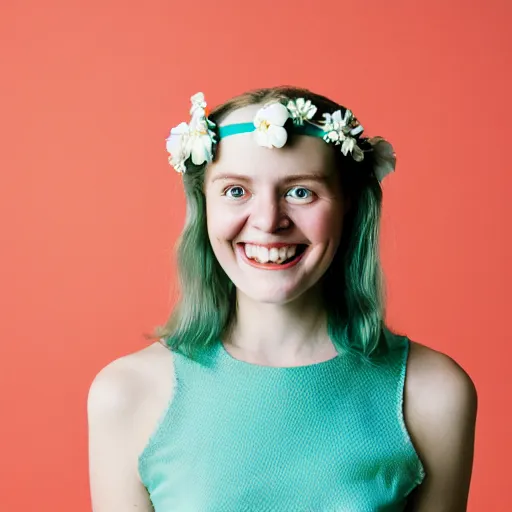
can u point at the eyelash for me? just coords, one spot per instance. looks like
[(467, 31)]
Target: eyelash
[(302, 188), (230, 188)]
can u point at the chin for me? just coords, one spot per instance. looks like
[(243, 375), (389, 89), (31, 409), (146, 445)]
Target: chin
[(282, 283), (274, 294)]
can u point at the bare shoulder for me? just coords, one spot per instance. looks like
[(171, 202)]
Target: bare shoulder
[(121, 383), (124, 401), (440, 407), (436, 384), (134, 388)]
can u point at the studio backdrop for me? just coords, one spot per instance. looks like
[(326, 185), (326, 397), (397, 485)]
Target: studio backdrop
[(90, 210)]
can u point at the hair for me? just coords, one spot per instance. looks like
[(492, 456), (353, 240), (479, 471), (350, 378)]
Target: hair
[(353, 286)]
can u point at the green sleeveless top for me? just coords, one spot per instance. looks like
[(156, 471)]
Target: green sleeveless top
[(239, 437)]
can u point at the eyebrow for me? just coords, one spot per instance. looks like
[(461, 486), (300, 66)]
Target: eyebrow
[(294, 177)]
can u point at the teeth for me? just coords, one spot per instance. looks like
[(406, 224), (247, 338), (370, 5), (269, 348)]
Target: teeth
[(262, 254), (274, 254), (290, 251)]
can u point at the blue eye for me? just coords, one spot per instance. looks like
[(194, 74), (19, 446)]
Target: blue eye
[(300, 194), (235, 192)]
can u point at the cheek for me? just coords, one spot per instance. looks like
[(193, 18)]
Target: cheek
[(223, 224), (323, 226)]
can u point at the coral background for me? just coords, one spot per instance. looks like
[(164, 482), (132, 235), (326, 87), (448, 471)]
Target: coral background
[(90, 210)]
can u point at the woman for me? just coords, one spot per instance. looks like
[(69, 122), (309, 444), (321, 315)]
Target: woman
[(275, 385)]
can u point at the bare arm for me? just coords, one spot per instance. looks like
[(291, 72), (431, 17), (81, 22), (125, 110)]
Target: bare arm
[(112, 403), (441, 415)]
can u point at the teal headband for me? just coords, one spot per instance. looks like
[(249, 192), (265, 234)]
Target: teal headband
[(234, 129), (196, 141)]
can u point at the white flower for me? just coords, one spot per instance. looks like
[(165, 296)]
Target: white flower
[(338, 130), (197, 102), (194, 140), (269, 122), (301, 110), (348, 145), (335, 123), (200, 143), (177, 146)]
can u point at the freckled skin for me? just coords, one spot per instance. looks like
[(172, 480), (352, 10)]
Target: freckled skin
[(251, 206)]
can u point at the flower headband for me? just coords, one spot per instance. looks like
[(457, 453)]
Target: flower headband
[(197, 140)]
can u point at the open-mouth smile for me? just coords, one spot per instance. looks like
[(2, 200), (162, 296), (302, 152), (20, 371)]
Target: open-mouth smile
[(279, 256)]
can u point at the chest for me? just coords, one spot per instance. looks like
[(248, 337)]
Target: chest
[(296, 453)]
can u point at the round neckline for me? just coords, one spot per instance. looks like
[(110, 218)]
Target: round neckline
[(240, 363)]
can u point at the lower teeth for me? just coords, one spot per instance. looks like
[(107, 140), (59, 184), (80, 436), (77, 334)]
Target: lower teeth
[(278, 262)]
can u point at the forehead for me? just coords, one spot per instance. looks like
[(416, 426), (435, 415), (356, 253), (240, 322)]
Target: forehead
[(241, 153)]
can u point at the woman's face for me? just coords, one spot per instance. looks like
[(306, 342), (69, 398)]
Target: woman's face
[(274, 216)]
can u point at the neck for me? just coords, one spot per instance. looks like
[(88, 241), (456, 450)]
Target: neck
[(291, 333)]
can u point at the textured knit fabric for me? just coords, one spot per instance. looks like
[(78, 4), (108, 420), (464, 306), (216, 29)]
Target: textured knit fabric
[(239, 437)]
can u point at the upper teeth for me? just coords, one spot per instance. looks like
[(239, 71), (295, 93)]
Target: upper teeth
[(274, 254)]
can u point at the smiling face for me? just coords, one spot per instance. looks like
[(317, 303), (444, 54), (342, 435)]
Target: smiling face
[(274, 216)]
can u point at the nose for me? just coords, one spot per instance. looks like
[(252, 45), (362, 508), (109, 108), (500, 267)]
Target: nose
[(268, 213)]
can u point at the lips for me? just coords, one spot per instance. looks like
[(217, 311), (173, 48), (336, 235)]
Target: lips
[(277, 256)]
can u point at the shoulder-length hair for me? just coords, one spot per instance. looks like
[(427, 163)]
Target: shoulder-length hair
[(353, 286)]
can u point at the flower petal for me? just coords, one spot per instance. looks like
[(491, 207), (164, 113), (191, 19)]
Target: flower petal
[(356, 130), (348, 145), (277, 136), (197, 102), (275, 113), (201, 148), (173, 144), (177, 138), (334, 136), (197, 121), (178, 164), (336, 117), (181, 128), (311, 111), (198, 98), (262, 138)]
